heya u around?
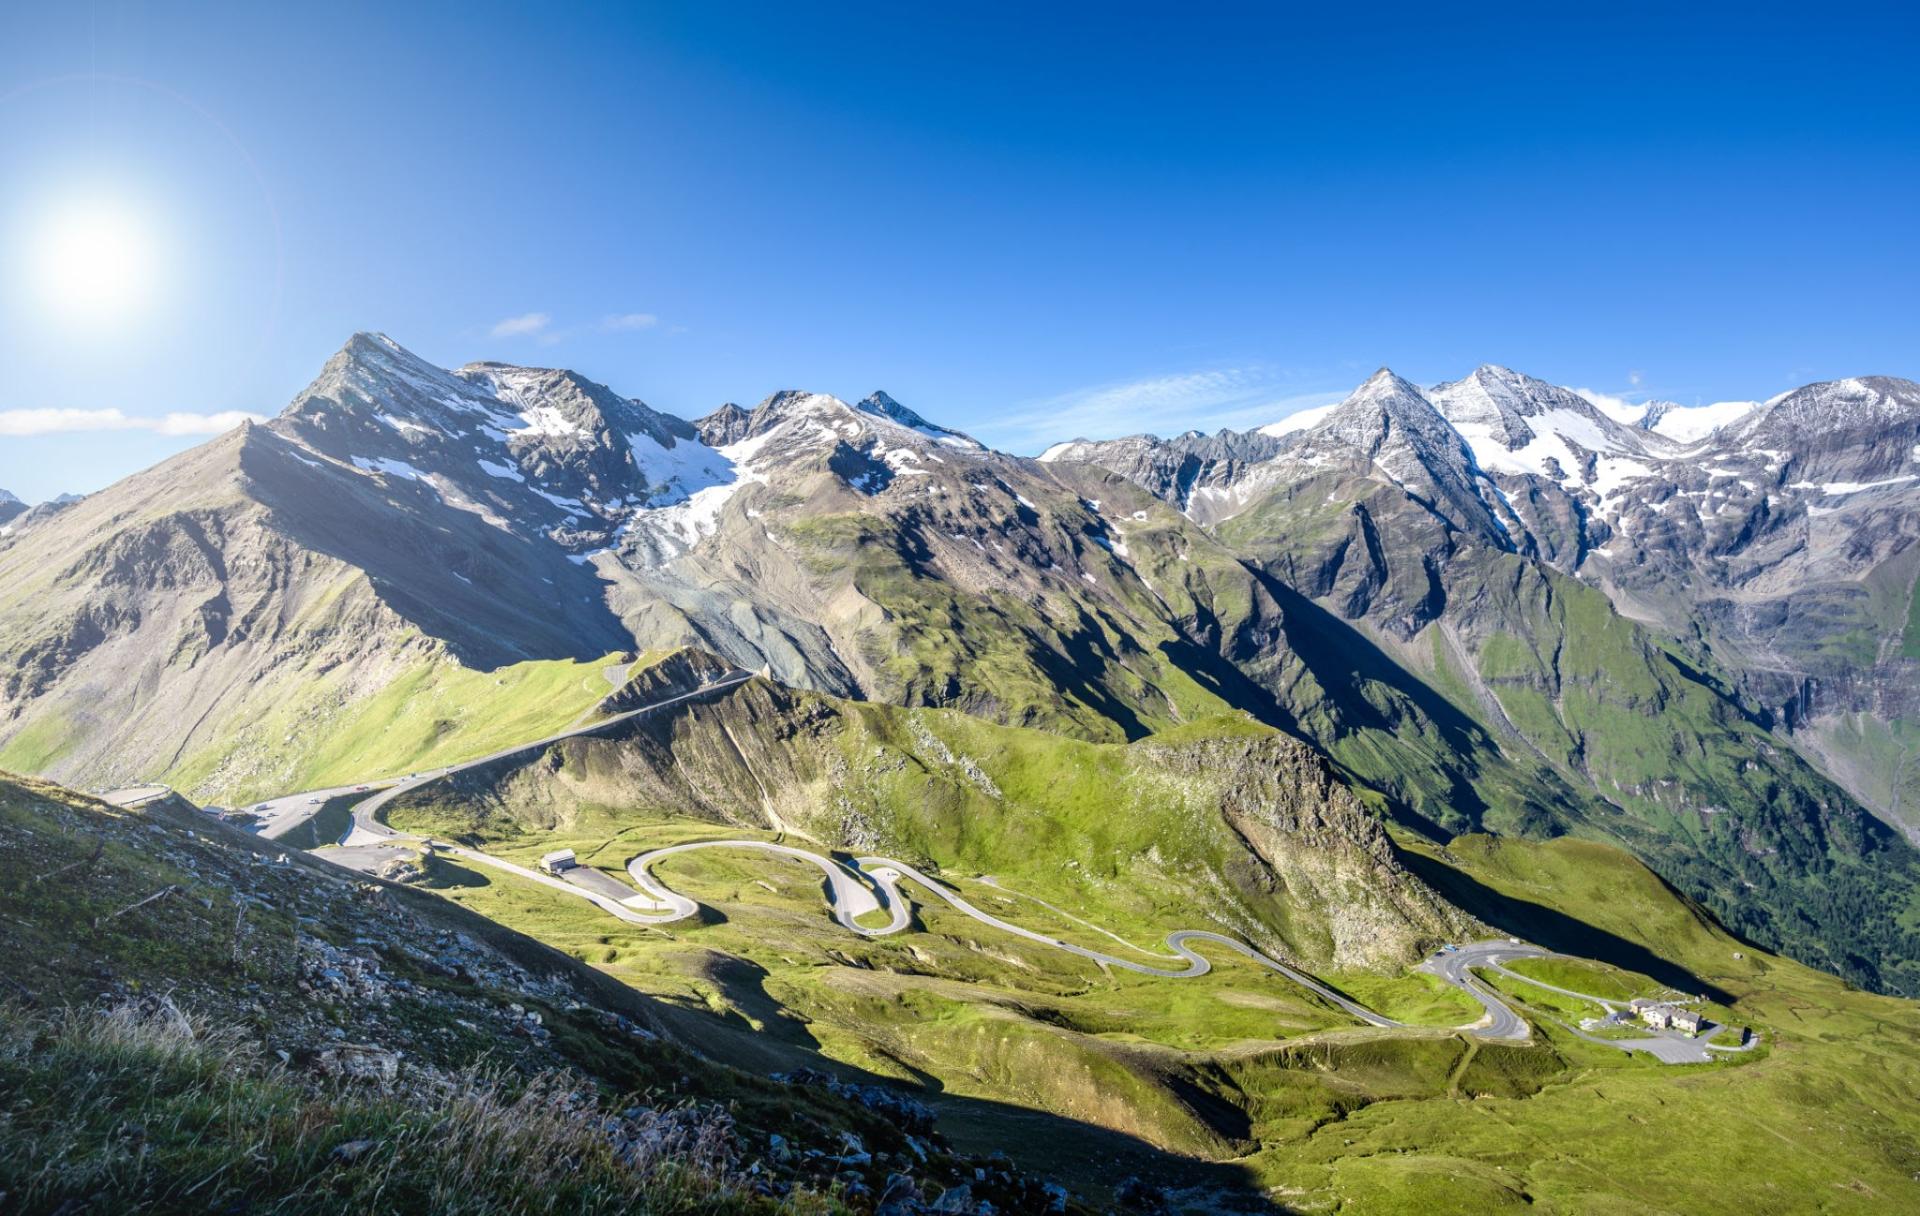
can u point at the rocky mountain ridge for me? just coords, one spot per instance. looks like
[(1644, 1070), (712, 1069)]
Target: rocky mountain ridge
[(1491, 603), (1780, 537)]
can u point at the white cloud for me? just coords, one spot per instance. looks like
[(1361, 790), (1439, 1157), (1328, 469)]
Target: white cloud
[(61, 422), (204, 424), (1236, 397), (629, 321), (521, 326), (1613, 406)]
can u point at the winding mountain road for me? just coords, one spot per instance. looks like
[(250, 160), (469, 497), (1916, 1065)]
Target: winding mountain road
[(852, 898), (867, 886)]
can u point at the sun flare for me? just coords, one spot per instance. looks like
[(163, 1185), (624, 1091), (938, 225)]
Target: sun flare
[(94, 261)]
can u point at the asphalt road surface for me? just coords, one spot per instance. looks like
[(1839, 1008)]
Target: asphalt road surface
[(848, 896), (1454, 967), (290, 812)]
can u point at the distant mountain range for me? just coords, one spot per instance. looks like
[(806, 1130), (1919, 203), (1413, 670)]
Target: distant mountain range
[(1493, 603), (16, 512)]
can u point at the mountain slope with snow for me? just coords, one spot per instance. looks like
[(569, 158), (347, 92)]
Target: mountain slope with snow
[(1690, 424)]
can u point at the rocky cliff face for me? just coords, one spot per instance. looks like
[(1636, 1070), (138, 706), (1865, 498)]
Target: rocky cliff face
[(1194, 472), (1310, 845)]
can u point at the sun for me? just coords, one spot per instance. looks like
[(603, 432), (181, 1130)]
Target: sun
[(94, 261)]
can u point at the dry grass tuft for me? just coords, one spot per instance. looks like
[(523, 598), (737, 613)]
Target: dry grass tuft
[(141, 1107)]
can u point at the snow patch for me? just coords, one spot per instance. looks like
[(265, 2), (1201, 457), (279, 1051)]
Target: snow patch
[(1301, 420), (1692, 423), (403, 425), (389, 466), (695, 517), (674, 473), (571, 506), (1837, 488)]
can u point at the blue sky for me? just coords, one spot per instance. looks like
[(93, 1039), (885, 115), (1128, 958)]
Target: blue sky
[(1029, 221)]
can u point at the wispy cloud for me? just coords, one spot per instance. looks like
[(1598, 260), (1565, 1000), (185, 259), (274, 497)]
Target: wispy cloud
[(522, 326), (540, 327), (628, 321), (1236, 397), (61, 422)]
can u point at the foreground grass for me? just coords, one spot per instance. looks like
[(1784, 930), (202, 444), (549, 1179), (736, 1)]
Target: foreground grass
[(1581, 975), (124, 1111)]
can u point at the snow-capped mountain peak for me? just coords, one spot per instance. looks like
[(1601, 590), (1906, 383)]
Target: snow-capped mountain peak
[(882, 406), (1499, 402), (1837, 405), (532, 450), (1385, 407), (805, 423), (1520, 425)]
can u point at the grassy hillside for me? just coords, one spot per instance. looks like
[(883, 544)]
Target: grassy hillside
[(1687, 779), (1235, 1066), (433, 713), (1820, 1119)]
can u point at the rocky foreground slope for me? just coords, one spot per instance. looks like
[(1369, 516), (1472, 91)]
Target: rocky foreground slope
[(1492, 603), (193, 1018)]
